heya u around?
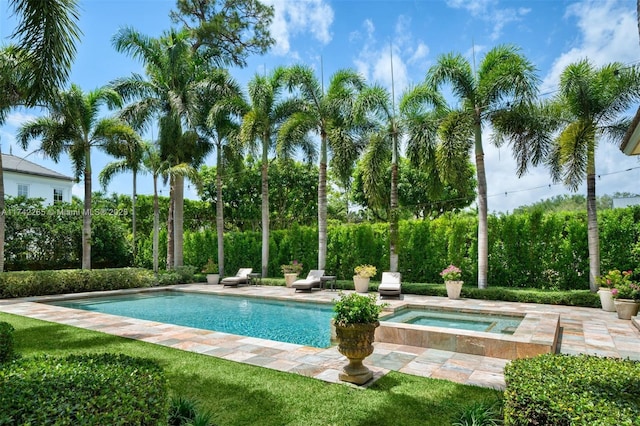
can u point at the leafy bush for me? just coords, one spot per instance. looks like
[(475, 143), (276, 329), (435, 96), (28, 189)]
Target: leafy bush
[(185, 411), (103, 389), (40, 283), (572, 390), (7, 351), (354, 308)]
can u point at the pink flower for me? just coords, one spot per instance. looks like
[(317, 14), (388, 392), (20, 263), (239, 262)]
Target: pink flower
[(614, 291)]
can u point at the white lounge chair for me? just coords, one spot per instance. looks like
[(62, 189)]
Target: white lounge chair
[(242, 277), (390, 284), (314, 279)]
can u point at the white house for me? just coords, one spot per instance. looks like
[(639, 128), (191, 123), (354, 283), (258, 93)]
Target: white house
[(22, 177)]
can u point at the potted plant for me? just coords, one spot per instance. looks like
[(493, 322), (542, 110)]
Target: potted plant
[(451, 275), (355, 320), (626, 295), (211, 269), (612, 279), (290, 271), (362, 277)]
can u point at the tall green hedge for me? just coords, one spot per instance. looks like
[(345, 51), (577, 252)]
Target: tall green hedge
[(533, 250)]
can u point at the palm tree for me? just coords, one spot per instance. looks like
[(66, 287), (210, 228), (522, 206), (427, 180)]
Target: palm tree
[(34, 69), (130, 154), (222, 103), (170, 94), (73, 126), (504, 75), (152, 162), (329, 115)]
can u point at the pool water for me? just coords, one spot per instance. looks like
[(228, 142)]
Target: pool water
[(292, 322), (501, 324)]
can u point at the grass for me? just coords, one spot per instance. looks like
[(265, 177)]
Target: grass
[(240, 394)]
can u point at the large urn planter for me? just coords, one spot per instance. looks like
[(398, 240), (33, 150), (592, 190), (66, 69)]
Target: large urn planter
[(606, 300), (453, 289), (361, 283), (356, 343), (290, 278), (626, 308), (213, 278)]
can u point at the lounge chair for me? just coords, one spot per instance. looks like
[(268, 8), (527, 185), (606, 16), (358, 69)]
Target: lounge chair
[(390, 284), (314, 279), (242, 277)]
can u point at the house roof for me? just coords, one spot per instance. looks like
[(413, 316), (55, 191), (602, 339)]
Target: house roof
[(11, 163), (631, 142)]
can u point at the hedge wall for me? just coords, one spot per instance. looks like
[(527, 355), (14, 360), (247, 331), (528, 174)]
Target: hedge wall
[(534, 250)]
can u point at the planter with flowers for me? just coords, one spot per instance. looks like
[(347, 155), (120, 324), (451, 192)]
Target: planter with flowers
[(355, 321), (612, 279), (291, 271), (451, 275), (362, 277), (626, 295), (211, 269)]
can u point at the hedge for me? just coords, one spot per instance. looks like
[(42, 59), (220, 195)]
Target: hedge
[(7, 351), (103, 389), (567, 390), (40, 283)]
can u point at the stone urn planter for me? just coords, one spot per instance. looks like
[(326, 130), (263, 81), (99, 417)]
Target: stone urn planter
[(606, 299), (290, 278), (626, 308), (361, 283), (453, 289), (213, 278), (356, 343)]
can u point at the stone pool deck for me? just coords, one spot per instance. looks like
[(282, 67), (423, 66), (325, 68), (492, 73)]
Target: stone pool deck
[(582, 330)]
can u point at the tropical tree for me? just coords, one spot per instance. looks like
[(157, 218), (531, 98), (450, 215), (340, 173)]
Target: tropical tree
[(32, 70), (73, 126), (330, 116), (130, 153), (504, 76), (566, 130), (222, 106)]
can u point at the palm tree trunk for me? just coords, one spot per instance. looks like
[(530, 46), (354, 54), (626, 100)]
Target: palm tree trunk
[(483, 234), (393, 210), (265, 205), (156, 225), (86, 218), (219, 211), (592, 225), (178, 221), (133, 215), (322, 203), (2, 214), (170, 230)]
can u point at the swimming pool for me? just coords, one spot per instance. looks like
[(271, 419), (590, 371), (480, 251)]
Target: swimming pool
[(500, 324), (292, 322)]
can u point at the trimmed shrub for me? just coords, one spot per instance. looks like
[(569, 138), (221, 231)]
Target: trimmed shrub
[(7, 351), (103, 389), (572, 390), (41, 283)]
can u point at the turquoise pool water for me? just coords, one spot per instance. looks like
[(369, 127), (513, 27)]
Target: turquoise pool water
[(292, 322), (500, 324)]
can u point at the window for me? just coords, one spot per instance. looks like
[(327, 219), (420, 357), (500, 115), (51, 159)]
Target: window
[(23, 190), (57, 195)]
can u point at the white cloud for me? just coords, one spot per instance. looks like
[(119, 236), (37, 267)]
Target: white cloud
[(17, 119), (488, 11), (608, 32), (300, 17), (419, 53)]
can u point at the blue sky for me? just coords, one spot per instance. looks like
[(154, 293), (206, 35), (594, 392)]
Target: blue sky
[(360, 35)]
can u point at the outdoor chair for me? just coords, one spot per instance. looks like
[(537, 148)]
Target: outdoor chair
[(390, 284), (242, 277), (314, 279)]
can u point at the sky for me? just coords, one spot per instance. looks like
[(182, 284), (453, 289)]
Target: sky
[(366, 35)]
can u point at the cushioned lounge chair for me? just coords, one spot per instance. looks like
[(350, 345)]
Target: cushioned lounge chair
[(390, 284), (242, 277), (314, 279)]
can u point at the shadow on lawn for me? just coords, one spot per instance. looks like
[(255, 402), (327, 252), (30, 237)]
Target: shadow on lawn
[(60, 337)]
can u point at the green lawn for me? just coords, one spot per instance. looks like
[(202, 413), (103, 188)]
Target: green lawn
[(239, 394)]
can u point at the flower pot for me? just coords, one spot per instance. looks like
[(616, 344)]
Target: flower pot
[(626, 308), (361, 283), (356, 343), (606, 300), (290, 278), (213, 278), (453, 289)]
